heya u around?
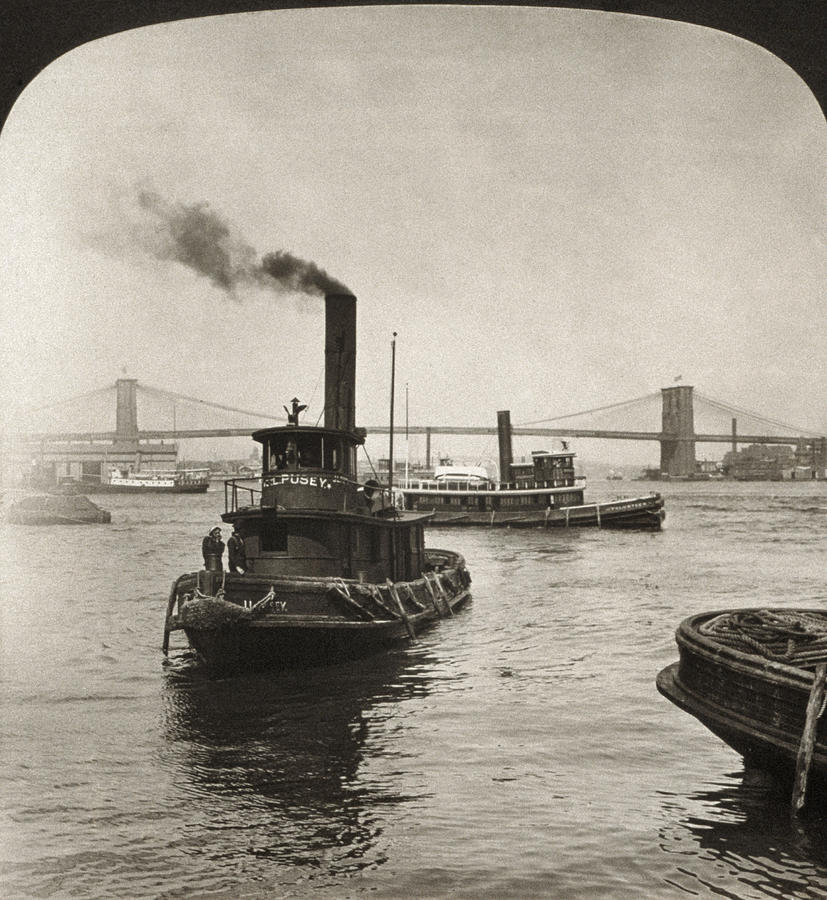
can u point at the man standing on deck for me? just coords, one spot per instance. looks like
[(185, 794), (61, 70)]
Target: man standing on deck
[(212, 549), (235, 550)]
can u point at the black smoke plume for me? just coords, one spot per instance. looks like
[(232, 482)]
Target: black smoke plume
[(197, 237), (299, 274)]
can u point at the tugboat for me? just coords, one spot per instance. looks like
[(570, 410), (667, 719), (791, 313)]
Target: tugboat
[(332, 569), (544, 493)]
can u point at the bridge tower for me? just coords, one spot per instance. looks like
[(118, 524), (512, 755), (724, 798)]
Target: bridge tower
[(91, 461), (127, 448), (126, 410), (677, 452)]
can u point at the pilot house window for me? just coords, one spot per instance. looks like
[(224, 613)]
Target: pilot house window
[(296, 450)]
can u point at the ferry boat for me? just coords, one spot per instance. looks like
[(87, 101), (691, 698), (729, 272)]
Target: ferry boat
[(333, 568), (543, 493), (756, 679), (151, 481)]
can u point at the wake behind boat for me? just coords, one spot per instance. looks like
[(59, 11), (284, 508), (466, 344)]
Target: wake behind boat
[(331, 568), (543, 493)]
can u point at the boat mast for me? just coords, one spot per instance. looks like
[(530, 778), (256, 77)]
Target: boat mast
[(407, 446), (390, 441)]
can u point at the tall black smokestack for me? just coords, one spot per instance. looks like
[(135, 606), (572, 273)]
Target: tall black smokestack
[(504, 437), (340, 362)]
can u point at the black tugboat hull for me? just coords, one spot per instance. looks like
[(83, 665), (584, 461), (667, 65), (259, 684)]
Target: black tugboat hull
[(293, 645), (755, 705), (260, 622), (638, 513)]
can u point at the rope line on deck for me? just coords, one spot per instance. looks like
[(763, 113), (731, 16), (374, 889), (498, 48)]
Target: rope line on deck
[(795, 638)]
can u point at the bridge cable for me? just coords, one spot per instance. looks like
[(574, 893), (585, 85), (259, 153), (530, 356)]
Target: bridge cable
[(719, 404), (66, 402), (159, 392), (589, 411)]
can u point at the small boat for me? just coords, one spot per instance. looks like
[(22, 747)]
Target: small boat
[(543, 493), (56, 509), (749, 675), (614, 475), (151, 481), (333, 569)]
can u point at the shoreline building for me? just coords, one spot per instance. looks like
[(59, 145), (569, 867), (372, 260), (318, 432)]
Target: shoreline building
[(778, 462)]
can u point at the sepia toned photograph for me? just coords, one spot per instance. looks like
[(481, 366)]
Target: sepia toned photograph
[(413, 465)]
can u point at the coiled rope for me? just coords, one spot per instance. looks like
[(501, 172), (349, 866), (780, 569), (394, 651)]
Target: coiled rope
[(795, 638)]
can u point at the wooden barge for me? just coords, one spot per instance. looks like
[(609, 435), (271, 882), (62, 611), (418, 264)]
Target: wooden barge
[(332, 569), (56, 509), (755, 678)]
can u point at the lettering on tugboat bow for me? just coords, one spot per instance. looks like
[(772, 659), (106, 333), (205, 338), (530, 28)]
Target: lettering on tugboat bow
[(271, 606), (311, 480)]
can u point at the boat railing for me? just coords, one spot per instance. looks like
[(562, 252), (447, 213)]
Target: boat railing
[(239, 494), (233, 489), (487, 486), (192, 476)]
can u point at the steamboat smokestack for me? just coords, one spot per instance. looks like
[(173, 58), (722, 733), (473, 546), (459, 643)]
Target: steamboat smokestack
[(504, 437), (340, 362)]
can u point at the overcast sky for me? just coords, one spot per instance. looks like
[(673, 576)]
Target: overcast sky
[(555, 209)]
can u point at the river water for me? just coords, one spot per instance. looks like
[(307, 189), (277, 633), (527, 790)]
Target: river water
[(519, 749)]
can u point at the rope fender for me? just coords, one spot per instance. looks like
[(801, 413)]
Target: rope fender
[(437, 577), (432, 593), (395, 594), (344, 592), (202, 611)]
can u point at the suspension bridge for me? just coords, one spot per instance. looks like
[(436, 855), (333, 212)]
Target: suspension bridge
[(106, 420)]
